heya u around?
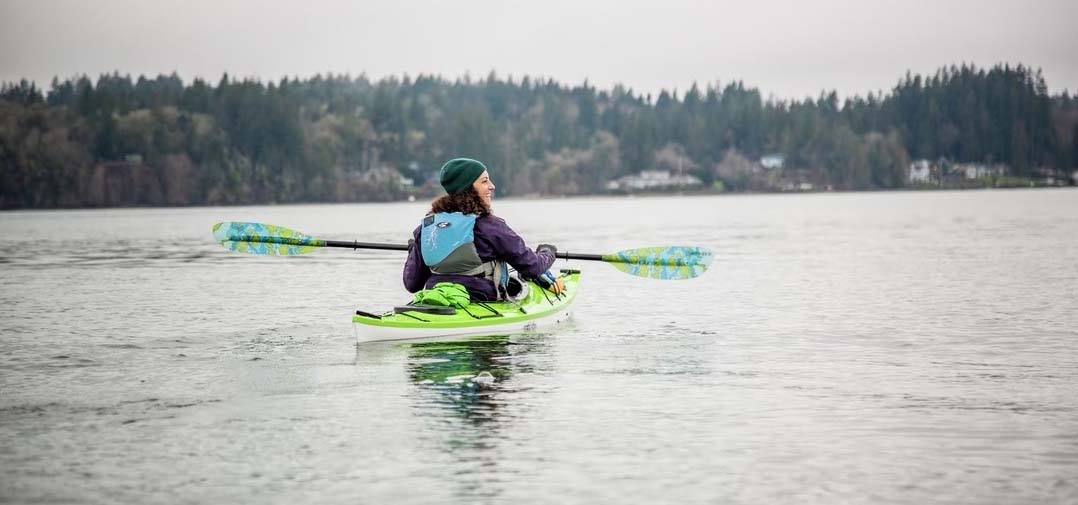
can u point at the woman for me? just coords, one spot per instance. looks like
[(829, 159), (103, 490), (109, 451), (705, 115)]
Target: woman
[(460, 241)]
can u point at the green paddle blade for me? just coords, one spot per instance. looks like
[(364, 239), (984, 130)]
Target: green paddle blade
[(665, 263), (268, 239)]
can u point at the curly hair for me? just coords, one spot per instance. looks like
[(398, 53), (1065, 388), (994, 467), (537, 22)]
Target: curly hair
[(467, 202)]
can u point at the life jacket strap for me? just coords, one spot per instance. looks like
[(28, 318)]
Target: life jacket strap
[(498, 273)]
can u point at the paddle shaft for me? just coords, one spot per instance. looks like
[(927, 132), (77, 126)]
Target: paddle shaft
[(403, 247), (575, 256), (366, 245)]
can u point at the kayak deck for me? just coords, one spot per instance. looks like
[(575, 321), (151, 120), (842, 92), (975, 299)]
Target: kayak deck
[(539, 308)]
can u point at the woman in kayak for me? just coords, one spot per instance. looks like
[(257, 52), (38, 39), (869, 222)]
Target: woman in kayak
[(461, 241)]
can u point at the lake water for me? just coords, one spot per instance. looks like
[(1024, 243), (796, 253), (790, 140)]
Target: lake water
[(911, 347)]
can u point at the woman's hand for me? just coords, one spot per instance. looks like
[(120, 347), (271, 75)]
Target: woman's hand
[(551, 283), (548, 248)]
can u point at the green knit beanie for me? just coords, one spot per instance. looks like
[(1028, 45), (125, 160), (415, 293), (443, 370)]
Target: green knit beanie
[(458, 174)]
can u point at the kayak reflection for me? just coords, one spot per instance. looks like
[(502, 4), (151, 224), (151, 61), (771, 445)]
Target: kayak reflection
[(466, 375)]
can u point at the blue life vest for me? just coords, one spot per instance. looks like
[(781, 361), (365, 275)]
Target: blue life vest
[(447, 242)]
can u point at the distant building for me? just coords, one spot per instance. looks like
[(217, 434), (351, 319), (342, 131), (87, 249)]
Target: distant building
[(798, 186), (773, 161), (920, 172), (1057, 177), (978, 170), (653, 179)]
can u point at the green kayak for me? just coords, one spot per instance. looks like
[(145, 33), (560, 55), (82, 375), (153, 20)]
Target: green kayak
[(536, 308)]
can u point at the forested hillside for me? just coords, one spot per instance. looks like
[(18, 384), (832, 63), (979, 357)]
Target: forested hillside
[(161, 141)]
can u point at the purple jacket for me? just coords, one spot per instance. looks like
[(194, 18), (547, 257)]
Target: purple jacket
[(493, 240)]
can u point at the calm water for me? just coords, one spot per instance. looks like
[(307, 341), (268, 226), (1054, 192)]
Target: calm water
[(844, 348)]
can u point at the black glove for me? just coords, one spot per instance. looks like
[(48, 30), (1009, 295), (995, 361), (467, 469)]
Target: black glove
[(548, 248)]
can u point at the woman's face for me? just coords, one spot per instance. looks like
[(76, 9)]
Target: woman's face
[(484, 187)]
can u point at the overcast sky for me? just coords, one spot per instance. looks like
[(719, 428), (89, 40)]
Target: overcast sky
[(786, 48)]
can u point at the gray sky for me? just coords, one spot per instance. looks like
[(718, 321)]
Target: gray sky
[(786, 48)]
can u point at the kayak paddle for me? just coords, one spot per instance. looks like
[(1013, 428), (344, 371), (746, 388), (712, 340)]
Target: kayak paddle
[(663, 262)]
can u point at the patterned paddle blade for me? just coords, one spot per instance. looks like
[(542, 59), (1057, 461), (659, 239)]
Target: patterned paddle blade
[(268, 239), (665, 263)]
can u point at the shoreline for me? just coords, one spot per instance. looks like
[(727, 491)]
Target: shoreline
[(650, 194)]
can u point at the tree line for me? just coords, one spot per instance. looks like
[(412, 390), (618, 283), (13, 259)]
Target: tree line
[(161, 141)]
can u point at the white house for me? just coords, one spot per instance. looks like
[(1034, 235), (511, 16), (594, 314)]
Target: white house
[(773, 161), (978, 170), (920, 172), (649, 179)]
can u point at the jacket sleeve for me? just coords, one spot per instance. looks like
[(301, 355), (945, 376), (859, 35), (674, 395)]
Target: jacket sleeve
[(510, 248), (416, 272)]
